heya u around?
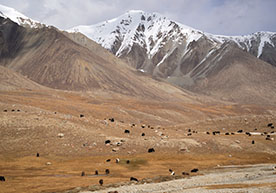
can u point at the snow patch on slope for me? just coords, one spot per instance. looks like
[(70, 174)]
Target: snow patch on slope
[(246, 42), (264, 39), (150, 31)]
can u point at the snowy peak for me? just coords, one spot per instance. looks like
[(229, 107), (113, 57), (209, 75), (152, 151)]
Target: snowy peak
[(148, 30), (254, 43), (18, 17), (152, 32), (166, 49)]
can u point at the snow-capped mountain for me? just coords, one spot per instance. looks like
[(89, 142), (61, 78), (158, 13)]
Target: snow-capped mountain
[(260, 44), (19, 18), (219, 66), (164, 48), (137, 27)]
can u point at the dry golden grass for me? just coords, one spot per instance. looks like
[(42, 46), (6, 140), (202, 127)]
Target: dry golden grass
[(35, 128), (30, 174)]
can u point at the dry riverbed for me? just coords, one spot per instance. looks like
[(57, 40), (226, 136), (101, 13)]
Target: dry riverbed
[(245, 178)]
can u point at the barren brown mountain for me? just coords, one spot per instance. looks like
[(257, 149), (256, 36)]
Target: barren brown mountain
[(11, 80), (49, 58), (237, 76)]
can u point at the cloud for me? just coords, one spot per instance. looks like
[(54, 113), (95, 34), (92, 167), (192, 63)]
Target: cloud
[(228, 17)]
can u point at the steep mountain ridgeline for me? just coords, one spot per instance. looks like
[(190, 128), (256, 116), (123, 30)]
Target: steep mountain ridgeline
[(189, 58), (156, 46), (260, 44), (48, 57), (151, 34)]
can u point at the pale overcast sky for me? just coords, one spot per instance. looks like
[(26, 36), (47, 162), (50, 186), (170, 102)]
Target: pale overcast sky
[(227, 17)]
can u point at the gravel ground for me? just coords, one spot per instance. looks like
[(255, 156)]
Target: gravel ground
[(248, 178)]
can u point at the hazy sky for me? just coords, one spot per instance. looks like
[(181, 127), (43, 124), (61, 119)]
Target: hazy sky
[(228, 17)]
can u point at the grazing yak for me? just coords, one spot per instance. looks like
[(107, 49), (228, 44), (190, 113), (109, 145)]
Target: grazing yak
[(269, 124), (96, 172), (133, 179), (269, 138), (2, 178), (107, 171), (216, 132), (194, 170), (117, 160), (101, 182), (151, 150), (82, 173), (107, 141), (172, 172), (127, 131)]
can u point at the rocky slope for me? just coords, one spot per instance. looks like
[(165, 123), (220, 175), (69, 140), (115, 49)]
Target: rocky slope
[(188, 57), (152, 33), (10, 80), (48, 57), (219, 66)]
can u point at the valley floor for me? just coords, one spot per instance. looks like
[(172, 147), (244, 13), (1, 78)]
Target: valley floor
[(50, 123)]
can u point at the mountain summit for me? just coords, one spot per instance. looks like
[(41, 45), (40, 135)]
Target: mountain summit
[(19, 18), (229, 68), (152, 31), (137, 28), (216, 65)]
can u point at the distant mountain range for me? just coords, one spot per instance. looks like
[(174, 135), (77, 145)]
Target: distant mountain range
[(157, 38), (185, 56), (237, 68), (52, 58)]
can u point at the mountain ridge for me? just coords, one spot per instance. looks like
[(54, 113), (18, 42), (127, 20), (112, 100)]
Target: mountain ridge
[(50, 58), (107, 37), (19, 18), (173, 53), (190, 58)]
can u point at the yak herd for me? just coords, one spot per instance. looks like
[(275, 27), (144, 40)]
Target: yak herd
[(151, 150)]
